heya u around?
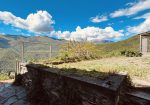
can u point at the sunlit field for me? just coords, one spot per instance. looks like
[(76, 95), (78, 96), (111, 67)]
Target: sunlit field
[(138, 68)]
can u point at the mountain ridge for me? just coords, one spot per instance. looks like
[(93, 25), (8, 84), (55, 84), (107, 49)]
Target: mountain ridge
[(7, 41), (114, 48)]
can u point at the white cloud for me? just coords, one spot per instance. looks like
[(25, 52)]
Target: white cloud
[(2, 33), (35, 22), (93, 34), (145, 16), (133, 9), (130, 3), (143, 27), (98, 19)]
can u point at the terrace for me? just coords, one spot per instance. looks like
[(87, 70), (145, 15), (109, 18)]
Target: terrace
[(95, 82)]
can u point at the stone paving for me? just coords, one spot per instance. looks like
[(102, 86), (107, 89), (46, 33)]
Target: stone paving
[(12, 95)]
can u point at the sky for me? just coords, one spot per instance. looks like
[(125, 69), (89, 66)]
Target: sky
[(92, 20)]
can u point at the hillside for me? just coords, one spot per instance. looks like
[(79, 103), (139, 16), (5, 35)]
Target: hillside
[(115, 47), (7, 41), (10, 49), (105, 49)]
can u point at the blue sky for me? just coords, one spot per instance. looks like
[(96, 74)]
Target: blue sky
[(93, 20)]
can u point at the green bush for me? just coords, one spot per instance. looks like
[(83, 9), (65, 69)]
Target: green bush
[(131, 53), (4, 77), (73, 51)]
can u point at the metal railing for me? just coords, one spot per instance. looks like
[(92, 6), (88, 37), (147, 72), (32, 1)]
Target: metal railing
[(25, 52), (7, 66), (37, 50)]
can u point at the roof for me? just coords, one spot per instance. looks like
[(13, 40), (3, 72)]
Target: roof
[(145, 33)]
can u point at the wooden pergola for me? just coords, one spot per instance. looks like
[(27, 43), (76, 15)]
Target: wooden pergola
[(145, 42)]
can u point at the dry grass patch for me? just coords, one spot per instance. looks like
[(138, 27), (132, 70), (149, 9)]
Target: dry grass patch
[(136, 67), (4, 77)]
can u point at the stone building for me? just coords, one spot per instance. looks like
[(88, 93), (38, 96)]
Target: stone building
[(145, 42)]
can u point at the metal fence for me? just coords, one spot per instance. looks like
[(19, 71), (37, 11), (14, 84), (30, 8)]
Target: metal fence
[(36, 50), (8, 59), (7, 66), (26, 52)]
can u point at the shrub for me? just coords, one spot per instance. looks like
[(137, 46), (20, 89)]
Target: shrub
[(4, 77), (131, 53), (73, 51)]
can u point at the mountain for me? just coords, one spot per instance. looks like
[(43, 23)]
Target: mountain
[(106, 46), (35, 47), (10, 48), (103, 41), (38, 46), (7, 41)]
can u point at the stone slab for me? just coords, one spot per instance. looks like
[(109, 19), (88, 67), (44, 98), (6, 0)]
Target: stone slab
[(12, 95), (10, 101), (142, 95), (20, 102)]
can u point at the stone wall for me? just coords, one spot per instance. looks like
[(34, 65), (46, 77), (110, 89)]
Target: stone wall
[(50, 86)]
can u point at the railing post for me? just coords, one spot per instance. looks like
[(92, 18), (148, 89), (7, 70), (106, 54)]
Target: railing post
[(140, 43), (17, 68), (68, 46), (22, 53), (50, 51)]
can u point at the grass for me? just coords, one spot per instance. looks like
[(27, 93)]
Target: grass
[(114, 49), (112, 62), (4, 77), (103, 50), (136, 67)]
